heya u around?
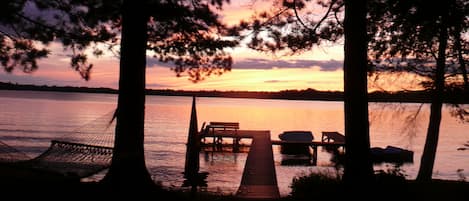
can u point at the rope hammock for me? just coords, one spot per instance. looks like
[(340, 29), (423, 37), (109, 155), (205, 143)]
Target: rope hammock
[(9, 154), (85, 152)]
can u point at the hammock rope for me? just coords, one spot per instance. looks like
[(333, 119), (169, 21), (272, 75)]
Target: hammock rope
[(99, 132), (84, 153), (9, 154)]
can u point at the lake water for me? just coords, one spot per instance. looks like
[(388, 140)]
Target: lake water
[(30, 119)]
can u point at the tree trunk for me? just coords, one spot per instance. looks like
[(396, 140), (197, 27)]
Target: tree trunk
[(433, 131), (462, 62), (128, 170), (358, 166)]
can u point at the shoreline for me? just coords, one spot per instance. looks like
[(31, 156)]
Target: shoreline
[(306, 94)]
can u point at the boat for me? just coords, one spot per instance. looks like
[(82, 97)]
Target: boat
[(391, 154), (296, 137)]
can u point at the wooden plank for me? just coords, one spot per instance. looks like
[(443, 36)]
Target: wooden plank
[(223, 125), (259, 180), (230, 133)]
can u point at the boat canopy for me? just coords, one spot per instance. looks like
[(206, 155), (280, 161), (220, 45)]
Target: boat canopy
[(297, 136)]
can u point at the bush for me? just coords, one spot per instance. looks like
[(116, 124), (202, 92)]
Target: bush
[(316, 185)]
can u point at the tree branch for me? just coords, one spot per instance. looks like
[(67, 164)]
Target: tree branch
[(325, 15), (266, 22), (37, 23), (297, 16), (7, 35)]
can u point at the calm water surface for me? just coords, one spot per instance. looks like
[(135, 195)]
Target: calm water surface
[(29, 120)]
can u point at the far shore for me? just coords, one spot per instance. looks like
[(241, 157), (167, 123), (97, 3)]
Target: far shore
[(455, 97)]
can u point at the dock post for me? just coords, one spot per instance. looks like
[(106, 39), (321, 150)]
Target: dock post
[(236, 142), (315, 154)]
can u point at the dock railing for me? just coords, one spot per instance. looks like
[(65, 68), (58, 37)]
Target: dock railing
[(217, 130)]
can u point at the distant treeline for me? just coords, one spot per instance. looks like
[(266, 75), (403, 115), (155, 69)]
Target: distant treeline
[(28, 87), (453, 96)]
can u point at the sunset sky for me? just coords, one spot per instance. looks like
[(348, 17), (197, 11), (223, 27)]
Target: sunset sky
[(319, 68)]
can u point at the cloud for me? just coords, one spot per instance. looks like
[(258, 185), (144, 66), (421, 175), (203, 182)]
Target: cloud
[(157, 85), (323, 82), (276, 81), (265, 64), (155, 62), (251, 63), (24, 79)]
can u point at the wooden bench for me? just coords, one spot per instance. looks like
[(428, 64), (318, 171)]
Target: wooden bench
[(217, 130), (216, 125)]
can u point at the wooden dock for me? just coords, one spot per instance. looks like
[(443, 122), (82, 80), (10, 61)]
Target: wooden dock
[(259, 180)]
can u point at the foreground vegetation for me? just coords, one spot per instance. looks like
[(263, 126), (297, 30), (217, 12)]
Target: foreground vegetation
[(388, 185)]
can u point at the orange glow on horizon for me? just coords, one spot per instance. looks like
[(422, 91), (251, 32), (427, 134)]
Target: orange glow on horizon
[(105, 74), (251, 80)]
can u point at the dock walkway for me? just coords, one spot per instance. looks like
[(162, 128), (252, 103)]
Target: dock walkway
[(259, 180)]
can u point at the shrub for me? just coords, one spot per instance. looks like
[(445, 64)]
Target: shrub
[(316, 185)]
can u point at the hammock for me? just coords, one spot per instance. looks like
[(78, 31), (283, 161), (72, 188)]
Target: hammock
[(72, 157), (9, 154)]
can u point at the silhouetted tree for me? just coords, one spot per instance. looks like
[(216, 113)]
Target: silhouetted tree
[(128, 169), (186, 33), (422, 37), (358, 162), (292, 28)]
